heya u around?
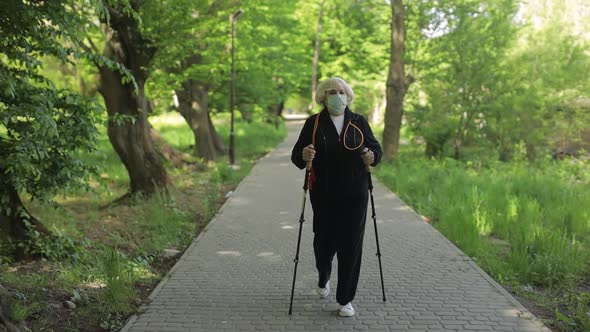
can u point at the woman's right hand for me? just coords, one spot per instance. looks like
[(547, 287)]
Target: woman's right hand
[(308, 153)]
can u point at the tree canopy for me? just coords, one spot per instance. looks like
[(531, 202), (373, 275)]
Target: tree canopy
[(42, 126)]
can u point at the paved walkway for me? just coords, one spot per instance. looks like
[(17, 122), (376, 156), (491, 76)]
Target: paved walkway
[(236, 276)]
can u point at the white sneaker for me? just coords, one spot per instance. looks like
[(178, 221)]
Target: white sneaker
[(323, 292), (346, 310)]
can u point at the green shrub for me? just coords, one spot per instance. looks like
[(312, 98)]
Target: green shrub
[(57, 247)]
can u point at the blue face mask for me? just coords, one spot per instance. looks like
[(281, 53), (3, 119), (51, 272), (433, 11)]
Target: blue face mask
[(336, 104)]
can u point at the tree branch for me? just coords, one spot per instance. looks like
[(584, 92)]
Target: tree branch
[(113, 13), (408, 81), (94, 48), (90, 51), (85, 47)]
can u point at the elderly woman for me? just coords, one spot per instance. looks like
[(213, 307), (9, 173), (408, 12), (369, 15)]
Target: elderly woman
[(338, 145)]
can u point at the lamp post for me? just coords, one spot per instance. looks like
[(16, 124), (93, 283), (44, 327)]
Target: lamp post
[(232, 149)]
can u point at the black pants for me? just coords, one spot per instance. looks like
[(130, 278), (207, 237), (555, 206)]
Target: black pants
[(339, 230)]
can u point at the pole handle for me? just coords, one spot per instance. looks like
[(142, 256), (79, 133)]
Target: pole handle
[(367, 167)]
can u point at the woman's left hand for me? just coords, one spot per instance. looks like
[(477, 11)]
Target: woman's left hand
[(368, 157)]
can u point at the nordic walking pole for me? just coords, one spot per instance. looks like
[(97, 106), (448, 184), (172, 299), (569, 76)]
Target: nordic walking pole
[(301, 221), (376, 234)]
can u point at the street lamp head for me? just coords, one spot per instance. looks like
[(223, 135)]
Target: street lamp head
[(236, 14)]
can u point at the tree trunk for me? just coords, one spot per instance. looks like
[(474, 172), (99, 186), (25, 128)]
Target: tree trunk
[(246, 112), (6, 301), (130, 135), (505, 153), (166, 151), (431, 150), (397, 83), (16, 222), (458, 141), (275, 111), (193, 105), (462, 128), (278, 114), (316, 58)]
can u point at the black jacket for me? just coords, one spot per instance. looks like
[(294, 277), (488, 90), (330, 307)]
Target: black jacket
[(337, 171)]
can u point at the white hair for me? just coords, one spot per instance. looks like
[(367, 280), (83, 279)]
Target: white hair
[(333, 83)]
